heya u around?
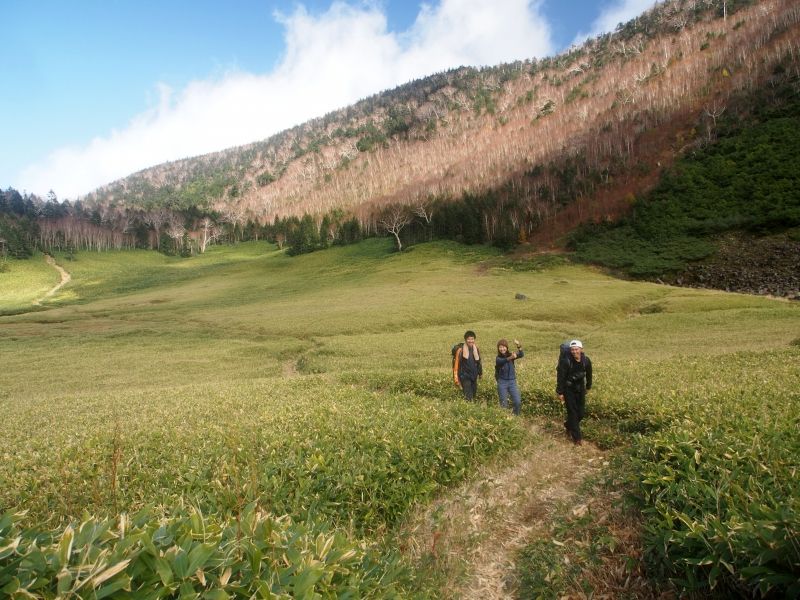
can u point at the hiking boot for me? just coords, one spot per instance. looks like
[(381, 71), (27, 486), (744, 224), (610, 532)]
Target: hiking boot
[(579, 442)]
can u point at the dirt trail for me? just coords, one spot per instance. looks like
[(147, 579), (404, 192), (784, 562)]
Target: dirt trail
[(65, 277), (476, 531)]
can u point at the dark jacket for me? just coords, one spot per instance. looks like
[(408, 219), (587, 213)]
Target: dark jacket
[(574, 376), (504, 367), (467, 368)]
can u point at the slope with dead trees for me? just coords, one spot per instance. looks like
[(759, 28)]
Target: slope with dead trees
[(567, 137)]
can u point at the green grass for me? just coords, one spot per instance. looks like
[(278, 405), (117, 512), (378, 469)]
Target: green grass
[(318, 387), (311, 449), (23, 282)]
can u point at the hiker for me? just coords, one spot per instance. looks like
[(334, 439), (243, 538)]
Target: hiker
[(574, 379), (467, 366), (506, 375)]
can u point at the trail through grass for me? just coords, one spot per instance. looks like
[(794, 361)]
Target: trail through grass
[(318, 388), (65, 277), (469, 539)]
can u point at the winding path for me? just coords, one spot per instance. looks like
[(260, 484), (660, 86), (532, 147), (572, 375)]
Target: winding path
[(65, 278)]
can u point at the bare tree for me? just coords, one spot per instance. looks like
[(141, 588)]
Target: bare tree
[(713, 111), (209, 232), (176, 231), (424, 210), (393, 221), (156, 219), (234, 215)]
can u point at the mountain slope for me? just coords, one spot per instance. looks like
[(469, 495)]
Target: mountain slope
[(735, 203), (583, 129)]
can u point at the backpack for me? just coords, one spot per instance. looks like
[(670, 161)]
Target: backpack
[(563, 352), (453, 350)]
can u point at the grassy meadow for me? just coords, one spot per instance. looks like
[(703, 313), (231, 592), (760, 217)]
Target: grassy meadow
[(245, 424), (22, 282)]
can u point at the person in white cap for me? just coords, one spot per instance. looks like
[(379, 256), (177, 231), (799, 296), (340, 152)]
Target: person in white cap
[(574, 379)]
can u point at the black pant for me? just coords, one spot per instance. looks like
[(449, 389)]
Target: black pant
[(575, 401), (470, 388)]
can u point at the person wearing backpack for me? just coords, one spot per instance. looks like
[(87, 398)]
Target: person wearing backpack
[(467, 368), (506, 375), (573, 380)]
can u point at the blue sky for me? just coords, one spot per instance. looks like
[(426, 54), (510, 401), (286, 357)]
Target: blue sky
[(97, 89)]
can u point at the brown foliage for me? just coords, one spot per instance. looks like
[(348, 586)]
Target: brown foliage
[(617, 103)]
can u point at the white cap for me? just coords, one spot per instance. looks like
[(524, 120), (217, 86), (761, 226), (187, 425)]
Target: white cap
[(575, 344)]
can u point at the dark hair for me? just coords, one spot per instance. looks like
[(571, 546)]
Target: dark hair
[(469, 333)]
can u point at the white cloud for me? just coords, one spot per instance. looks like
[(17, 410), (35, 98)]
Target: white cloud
[(469, 32), (611, 16), (330, 60)]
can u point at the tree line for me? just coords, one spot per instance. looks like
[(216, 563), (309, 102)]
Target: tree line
[(29, 223)]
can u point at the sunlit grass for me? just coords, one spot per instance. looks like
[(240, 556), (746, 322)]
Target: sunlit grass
[(151, 380), (24, 281)]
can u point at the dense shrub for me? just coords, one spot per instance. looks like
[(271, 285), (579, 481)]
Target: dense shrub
[(748, 180), (189, 555)]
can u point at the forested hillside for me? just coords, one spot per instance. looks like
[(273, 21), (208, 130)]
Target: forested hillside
[(532, 136), (519, 153), (722, 209)]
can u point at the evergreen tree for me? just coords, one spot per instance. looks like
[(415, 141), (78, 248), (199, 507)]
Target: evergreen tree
[(325, 230), (349, 232), (304, 238)]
